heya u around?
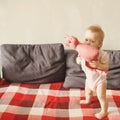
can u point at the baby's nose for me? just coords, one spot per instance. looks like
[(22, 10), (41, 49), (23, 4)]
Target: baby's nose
[(88, 42)]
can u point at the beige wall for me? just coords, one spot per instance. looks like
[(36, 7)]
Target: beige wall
[(47, 21)]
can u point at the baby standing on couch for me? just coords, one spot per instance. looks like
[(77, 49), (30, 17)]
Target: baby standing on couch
[(96, 80)]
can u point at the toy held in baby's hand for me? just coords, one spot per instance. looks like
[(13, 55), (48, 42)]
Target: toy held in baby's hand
[(88, 52)]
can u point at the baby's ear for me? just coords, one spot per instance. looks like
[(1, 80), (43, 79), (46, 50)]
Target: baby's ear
[(100, 45)]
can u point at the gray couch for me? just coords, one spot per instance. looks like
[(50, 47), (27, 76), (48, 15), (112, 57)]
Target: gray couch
[(47, 63)]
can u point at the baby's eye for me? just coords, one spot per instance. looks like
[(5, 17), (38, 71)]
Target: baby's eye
[(86, 39), (93, 41)]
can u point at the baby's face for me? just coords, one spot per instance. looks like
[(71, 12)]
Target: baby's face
[(92, 39)]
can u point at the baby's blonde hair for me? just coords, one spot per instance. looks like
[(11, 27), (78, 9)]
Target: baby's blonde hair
[(97, 29)]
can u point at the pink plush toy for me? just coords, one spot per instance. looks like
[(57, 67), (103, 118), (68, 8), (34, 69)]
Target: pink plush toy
[(88, 52)]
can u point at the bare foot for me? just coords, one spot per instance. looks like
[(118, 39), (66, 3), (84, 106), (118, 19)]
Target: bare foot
[(84, 102), (101, 115)]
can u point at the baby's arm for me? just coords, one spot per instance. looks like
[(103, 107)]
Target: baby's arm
[(103, 62), (100, 66), (78, 60)]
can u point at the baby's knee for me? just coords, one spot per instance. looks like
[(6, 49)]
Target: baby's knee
[(89, 92)]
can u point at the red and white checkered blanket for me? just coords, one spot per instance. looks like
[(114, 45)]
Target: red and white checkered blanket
[(51, 102)]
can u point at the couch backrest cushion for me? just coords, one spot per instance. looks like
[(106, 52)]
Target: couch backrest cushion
[(43, 63), (113, 79), (75, 78)]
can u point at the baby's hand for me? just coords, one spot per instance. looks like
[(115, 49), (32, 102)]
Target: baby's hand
[(94, 64)]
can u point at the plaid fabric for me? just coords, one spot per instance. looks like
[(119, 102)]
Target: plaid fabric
[(51, 102)]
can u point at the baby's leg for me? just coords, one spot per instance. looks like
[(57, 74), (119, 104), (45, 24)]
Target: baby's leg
[(88, 95), (101, 93)]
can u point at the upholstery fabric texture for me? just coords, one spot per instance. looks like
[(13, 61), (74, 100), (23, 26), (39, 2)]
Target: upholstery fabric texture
[(43, 63), (113, 78), (46, 63), (75, 77)]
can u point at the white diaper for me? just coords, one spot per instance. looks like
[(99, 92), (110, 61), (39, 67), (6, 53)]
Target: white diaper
[(93, 78), (93, 84)]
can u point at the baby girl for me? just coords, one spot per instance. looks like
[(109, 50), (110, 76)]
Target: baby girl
[(95, 79)]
